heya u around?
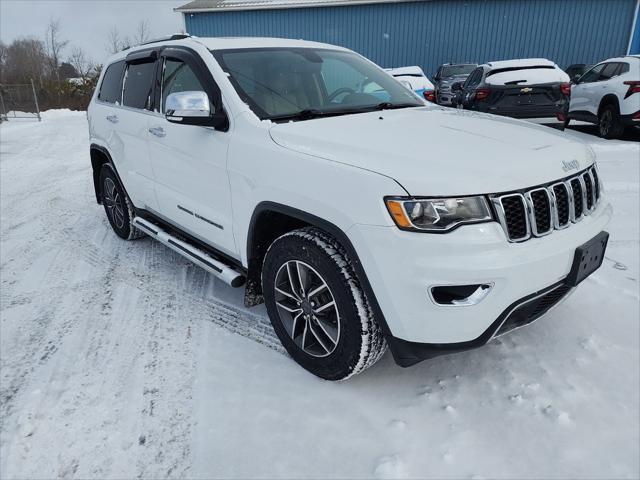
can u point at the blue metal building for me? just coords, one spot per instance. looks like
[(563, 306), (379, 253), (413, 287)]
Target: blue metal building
[(428, 33)]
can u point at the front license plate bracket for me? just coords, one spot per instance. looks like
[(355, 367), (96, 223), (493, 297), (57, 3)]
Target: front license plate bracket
[(588, 258)]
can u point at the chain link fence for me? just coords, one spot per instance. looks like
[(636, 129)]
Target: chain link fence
[(18, 101)]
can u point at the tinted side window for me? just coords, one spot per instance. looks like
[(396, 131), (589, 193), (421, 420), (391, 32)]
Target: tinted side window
[(111, 87), (592, 75), (474, 78), (609, 71), (178, 77), (137, 85), (624, 68)]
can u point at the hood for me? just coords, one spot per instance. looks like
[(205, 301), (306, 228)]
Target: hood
[(435, 151)]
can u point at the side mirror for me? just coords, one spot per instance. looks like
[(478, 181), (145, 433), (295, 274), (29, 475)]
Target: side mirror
[(193, 108), (456, 87), (576, 78)]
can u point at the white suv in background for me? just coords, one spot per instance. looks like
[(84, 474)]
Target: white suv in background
[(608, 95), (414, 79), (299, 170)]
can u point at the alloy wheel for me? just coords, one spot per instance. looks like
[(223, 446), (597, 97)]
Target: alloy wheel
[(114, 202), (307, 308), (605, 122)]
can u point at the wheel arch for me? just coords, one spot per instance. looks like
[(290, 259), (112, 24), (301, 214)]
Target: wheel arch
[(269, 221), (609, 99), (99, 157)]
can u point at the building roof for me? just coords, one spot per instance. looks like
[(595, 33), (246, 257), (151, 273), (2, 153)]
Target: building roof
[(197, 6)]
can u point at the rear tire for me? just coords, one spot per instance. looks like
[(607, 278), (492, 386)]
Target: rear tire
[(320, 313), (117, 205), (609, 124)]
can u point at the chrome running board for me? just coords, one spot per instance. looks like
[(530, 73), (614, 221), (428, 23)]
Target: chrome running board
[(212, 265)]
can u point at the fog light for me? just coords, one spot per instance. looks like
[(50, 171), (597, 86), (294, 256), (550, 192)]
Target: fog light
[(459, 295)]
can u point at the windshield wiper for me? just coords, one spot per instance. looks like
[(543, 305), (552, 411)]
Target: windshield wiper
[(391, 106), (305, 114), (309, 113)]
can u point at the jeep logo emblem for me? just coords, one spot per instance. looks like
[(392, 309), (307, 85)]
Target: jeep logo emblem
[(572, 165)]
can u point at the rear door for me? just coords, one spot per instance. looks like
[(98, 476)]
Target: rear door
[(103, 111), (190, 162), (130, 148), (469, 87)]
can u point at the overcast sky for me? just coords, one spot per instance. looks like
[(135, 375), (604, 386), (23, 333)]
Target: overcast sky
[(86, 23)]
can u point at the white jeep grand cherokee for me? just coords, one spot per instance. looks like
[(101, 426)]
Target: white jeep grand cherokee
[(300, 169)]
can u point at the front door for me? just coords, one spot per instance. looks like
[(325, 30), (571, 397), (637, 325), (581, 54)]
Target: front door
[(583, 92), (190, 162)]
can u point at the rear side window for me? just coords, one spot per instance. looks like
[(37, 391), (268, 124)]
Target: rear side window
[(137, 85), (624, 68), (111, 87), (592, 75), (609, 71), (474, 79)]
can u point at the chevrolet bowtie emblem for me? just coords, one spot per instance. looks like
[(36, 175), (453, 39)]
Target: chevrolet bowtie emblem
[(526, 90)]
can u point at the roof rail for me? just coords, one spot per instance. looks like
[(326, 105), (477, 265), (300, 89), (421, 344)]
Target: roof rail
[(175, 36)]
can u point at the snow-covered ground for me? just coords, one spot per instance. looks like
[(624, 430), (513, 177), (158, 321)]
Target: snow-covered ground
[(121, 359)]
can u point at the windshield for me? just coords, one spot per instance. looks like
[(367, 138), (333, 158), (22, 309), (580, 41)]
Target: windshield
[(281, 83), (453, 70)]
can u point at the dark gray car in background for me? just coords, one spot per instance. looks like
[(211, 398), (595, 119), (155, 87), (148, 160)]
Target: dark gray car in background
[(447, 75)]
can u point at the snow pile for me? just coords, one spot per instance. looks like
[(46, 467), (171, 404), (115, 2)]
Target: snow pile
[(123, 360), (56, 113)]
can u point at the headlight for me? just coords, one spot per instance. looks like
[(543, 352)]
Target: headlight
[(437, 214)]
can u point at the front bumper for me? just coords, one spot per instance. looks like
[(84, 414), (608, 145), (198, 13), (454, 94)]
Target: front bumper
[(401, 267)]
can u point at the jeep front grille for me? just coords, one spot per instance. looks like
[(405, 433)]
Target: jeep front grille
[(541, 210)]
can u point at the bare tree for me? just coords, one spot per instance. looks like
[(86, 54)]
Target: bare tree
[(24, 59), (54, 45), (115, 42), (142, 32), (79, 60)]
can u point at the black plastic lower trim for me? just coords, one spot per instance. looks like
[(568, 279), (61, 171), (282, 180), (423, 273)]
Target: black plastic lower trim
[(406, 353), (331, 229), (583, 116), (631, 119)]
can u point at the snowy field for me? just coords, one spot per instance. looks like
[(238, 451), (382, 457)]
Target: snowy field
[(122, 360)]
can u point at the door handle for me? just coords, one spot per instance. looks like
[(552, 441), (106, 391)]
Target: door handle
[(112, 118), (157, 131)]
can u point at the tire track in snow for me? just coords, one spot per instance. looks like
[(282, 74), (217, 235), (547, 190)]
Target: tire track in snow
[(236, 320)]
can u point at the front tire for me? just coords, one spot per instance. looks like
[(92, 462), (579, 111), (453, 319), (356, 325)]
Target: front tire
[(317, 306), (117, 205), (609, 124)]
